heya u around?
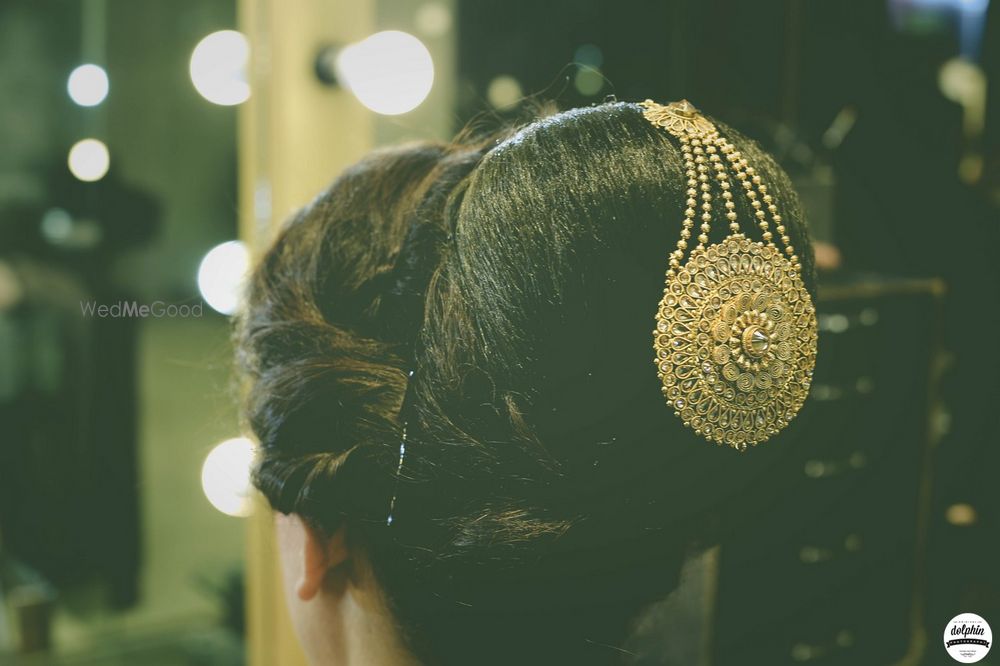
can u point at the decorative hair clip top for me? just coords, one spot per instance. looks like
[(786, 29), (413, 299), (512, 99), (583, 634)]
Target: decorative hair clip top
[(735, 336)]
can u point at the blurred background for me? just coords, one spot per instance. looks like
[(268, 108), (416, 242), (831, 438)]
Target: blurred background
[(149, 148)]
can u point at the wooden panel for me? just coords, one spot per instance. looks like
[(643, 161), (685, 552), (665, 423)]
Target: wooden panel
[(294, 137)]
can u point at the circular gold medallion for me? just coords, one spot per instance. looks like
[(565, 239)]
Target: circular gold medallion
[(735, 342)]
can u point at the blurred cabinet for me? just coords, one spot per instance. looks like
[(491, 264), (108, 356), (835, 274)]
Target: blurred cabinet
[(833, 572)]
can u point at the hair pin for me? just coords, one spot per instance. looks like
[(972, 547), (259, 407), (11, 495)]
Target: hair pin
[(402, 453)]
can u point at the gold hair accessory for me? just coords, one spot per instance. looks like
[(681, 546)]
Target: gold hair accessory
[(735, 336)]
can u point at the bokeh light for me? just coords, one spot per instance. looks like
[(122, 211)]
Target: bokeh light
[(57, 225), (961, 514), (433, 19), (225, 476), (89, 160), (391, 72), (219, 68), (589, 55), (88, 85), (504, 92), (221, 276), (588, 81)]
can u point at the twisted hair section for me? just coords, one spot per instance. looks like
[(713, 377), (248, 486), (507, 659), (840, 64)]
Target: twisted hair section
[(333, 311)]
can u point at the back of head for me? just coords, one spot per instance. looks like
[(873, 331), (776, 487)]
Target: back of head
[(547, 494)]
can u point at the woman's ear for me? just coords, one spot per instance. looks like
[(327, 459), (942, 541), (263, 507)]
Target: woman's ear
[(308, 554)]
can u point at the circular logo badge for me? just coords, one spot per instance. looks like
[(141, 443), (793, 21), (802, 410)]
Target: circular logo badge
[(967, 638)]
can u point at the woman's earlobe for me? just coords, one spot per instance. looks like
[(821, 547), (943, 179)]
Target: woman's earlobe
[(320, 554), (309, 554)]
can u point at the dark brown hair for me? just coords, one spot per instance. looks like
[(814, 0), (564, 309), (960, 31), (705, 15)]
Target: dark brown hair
[(547, 493)]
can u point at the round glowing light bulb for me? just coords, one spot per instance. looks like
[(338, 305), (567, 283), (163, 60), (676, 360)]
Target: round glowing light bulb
[(390, 72), (219, 68), (88, 85), (225, 476), (221, 275), (89, 160)]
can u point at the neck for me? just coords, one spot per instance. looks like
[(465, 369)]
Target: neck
[(359, 629)]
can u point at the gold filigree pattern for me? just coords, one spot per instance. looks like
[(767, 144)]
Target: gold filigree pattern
[(735, 342), (676, 117), (735, 337)]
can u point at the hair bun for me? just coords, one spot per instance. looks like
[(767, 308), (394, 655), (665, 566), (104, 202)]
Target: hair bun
[(327, 338), (326, 487)]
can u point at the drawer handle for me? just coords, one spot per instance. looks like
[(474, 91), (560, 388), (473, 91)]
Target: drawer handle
[(819, 554), (837, 322), (808, 652), (821, 469), (863, 385)]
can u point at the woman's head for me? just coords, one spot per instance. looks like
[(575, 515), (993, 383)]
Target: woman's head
[(495, 296)]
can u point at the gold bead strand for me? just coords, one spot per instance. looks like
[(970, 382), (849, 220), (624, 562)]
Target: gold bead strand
[(725, 183), (727, 148), (755, 180), (751, 182), (704, 183), (691, 172), (734, 158)]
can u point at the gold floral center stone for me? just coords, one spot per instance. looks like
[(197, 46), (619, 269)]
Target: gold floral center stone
[(755, 341)]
